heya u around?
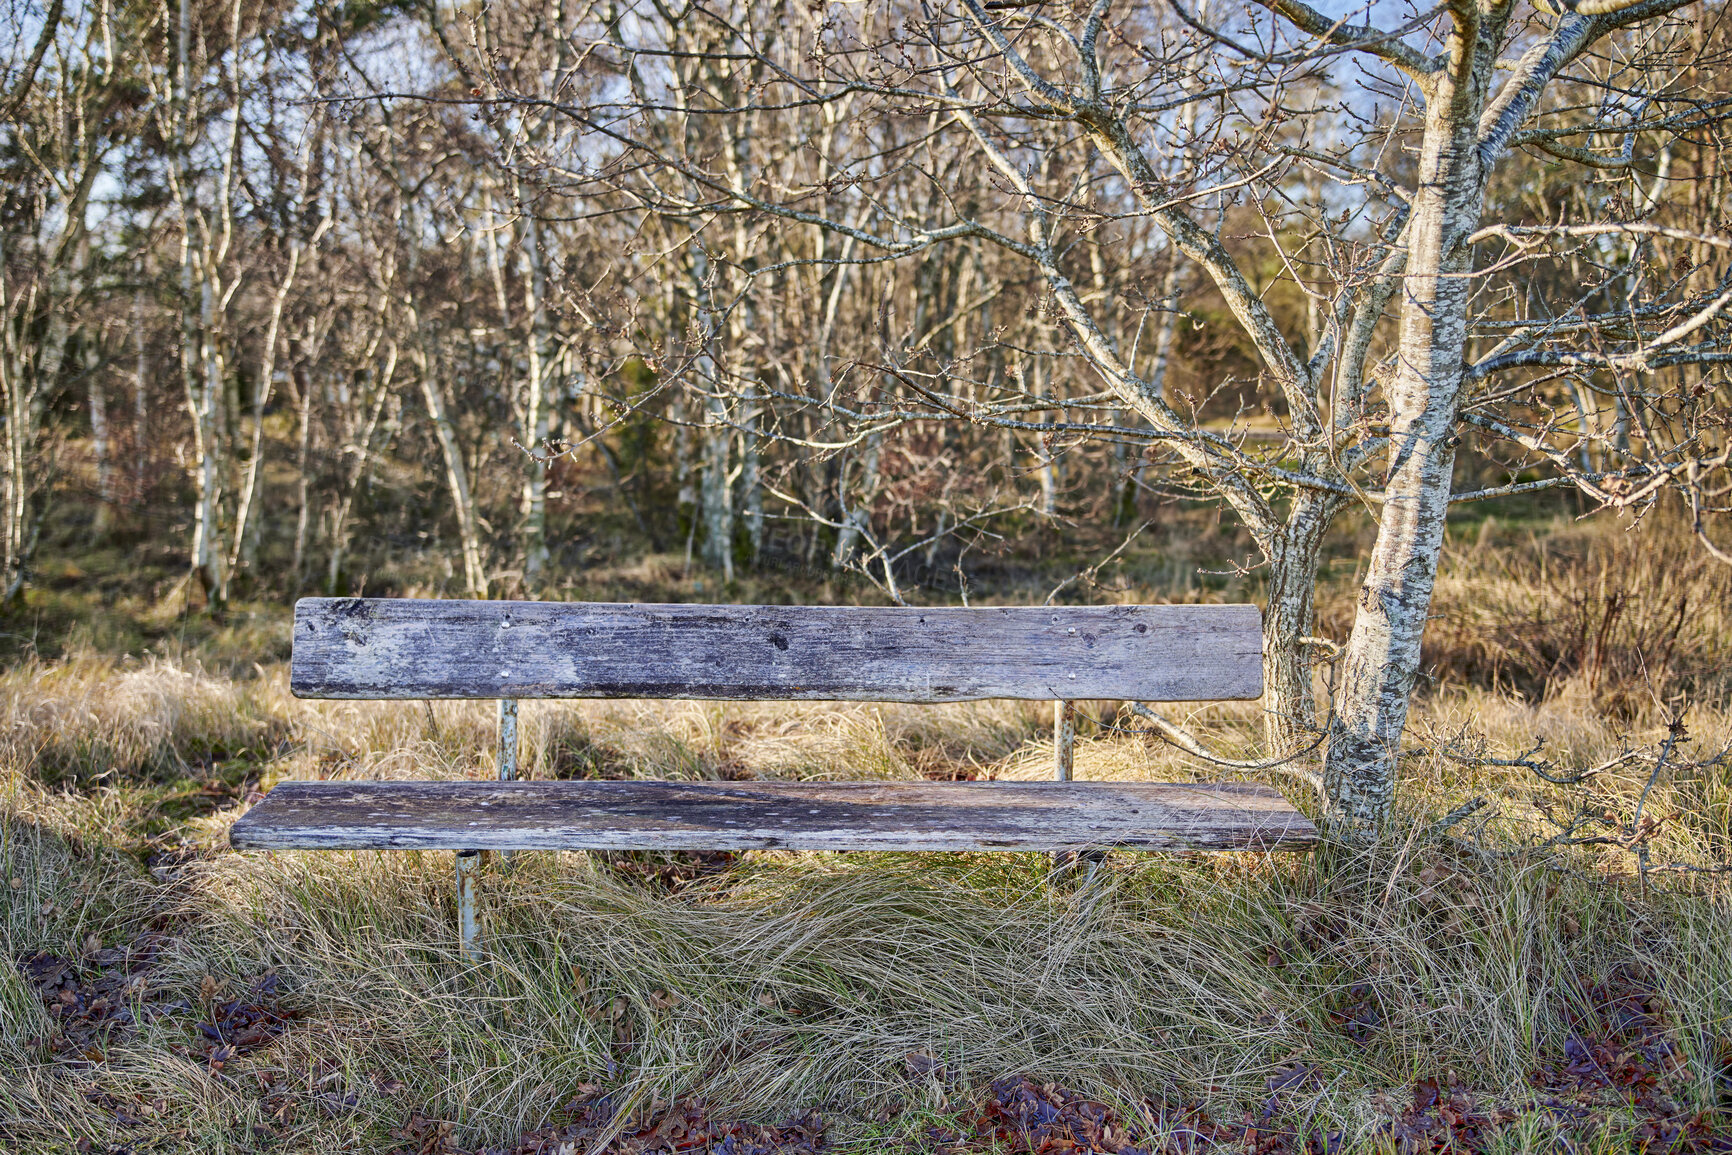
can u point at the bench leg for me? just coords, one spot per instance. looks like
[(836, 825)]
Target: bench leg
[(468, 878), (1063, 761), (507, 739), (1063, 740), (507, 753)]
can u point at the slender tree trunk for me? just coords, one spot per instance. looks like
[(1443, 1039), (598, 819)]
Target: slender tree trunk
[(243, 528), (457, 478), (751, 481), (858, 516), (303, 463), (101, 448), (140, 395), (205, 385), (715, 497), (363, 454), (534, 432), (718, 506)]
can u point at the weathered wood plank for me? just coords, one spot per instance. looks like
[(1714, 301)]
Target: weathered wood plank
[(654, 815), (405, 648)]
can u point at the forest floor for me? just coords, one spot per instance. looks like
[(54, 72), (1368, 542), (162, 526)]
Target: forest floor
[(1471, 983)]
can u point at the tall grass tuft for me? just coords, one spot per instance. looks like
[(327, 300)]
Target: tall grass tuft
[(1624, 618)]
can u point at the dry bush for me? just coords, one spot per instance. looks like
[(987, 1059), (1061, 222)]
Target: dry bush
[(1623, 617)]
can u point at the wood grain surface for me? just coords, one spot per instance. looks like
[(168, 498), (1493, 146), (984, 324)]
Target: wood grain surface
[(658, 815), (410, 648)]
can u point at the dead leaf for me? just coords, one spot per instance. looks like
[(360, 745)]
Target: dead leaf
[(922, 1063), (767, 999), (383, 1084), (662, 1000), (1294, 1076)]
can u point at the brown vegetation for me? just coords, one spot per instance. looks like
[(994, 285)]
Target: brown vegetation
[(1458, 985)]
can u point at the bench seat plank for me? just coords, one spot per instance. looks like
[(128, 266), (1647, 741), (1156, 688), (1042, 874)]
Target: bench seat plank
[(660, 815), (426, 648)]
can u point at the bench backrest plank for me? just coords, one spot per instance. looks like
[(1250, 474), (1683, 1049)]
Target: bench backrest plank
[(415, 648)]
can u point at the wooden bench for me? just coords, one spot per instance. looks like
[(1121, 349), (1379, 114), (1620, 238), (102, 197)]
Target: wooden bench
[(389, 648)]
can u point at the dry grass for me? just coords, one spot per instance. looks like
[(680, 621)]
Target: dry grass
[(1618, 617), (789, 981), (773, 982)]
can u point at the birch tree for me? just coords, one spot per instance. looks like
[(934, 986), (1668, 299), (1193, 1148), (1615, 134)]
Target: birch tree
[(1040, 127), (65, 121)]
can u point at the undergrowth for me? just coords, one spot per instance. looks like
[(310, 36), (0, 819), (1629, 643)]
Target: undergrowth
[(1463, 984)]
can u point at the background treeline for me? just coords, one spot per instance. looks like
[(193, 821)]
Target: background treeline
[(270, 324), (310, 341)]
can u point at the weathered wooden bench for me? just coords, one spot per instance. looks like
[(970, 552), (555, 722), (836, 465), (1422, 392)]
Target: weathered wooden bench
[(417, 649)]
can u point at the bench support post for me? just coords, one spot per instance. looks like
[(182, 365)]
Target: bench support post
[(1063, 740), (468, 878), (507, 753), (508, 739), (1063, 762)]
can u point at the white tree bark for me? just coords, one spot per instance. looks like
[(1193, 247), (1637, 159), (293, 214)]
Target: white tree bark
[(533, 434), (456, 476), (1382, 654)]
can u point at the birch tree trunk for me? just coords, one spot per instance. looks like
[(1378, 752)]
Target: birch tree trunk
[(858, 516), (1290, 713), (534, 432), (140, 398), (715, 496), (303, 463), (244, 524), (1382, 655), (715, 492), (456, 477), (101, 449), (362, 454)]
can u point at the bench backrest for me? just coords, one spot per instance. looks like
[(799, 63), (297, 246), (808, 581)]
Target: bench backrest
[(414, 648)]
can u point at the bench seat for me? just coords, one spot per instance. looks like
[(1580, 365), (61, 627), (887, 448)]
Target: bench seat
[(660, 815)]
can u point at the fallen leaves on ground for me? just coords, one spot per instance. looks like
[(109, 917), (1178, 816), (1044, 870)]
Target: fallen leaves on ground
[(243, 1025), (95, 999), (1619, 1064), (595, 1128)]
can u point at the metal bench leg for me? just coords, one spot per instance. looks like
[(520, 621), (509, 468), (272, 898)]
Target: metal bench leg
[(1063, 761), (507, 753), (507, 739), (468, 878)]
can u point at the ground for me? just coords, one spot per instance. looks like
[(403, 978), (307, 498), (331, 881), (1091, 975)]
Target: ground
[(1459, 985)]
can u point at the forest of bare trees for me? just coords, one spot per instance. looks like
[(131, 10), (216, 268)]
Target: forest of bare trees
[(863, 285)]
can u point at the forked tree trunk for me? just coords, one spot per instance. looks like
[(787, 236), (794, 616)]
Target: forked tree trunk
[(362, 451), (1382, 658), (858, 516), (245, 529)]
